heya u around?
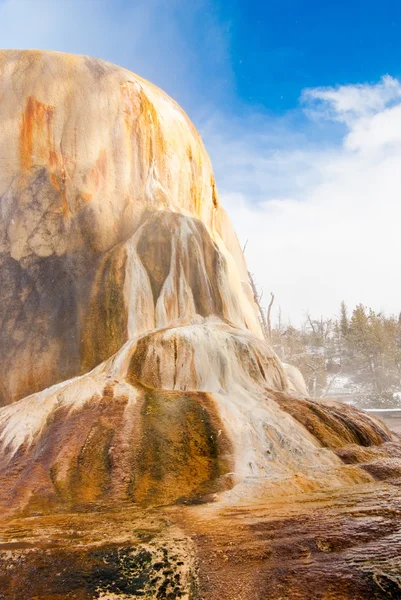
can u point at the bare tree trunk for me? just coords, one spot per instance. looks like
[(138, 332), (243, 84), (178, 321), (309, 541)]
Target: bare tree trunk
[(262, 316), (330, 383), (311, 323), (265, 324), (269, 323)]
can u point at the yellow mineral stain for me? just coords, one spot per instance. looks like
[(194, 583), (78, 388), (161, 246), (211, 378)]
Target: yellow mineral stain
[(145, 137), (184, 452)]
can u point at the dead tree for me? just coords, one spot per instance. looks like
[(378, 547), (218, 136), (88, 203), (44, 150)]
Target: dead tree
[(257, 299), (269, 309), (264, 318)]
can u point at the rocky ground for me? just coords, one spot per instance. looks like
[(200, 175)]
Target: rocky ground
[(343, 545)]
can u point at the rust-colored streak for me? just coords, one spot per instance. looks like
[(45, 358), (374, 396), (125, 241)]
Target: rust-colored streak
[(37, 146), (53, 159), (26, 135), (55, 181), (101, 163), (96, 176), (36, 140), (214, 192), (99, 171)]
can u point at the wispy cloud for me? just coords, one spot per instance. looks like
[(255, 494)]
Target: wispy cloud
[(322, 213), (346, 103)]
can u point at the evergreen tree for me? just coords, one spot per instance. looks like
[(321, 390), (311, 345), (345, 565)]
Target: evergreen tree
[(344, 324), (360, 355)]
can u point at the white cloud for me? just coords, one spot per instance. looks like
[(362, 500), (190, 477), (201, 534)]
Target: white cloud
[(347, 102), (377, 132), (323, 219)]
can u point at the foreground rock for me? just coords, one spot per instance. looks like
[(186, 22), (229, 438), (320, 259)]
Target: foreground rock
[(135, 380)]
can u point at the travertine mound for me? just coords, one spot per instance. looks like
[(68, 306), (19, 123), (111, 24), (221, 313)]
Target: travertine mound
[(133, 371), (110, 219), (117, 256)]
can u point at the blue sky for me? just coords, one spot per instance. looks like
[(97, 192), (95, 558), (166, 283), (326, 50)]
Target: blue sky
[(299, 105), (238, 53), (279, 47)]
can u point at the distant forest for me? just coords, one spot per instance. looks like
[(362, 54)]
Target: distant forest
[(356, 356)]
